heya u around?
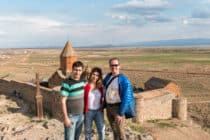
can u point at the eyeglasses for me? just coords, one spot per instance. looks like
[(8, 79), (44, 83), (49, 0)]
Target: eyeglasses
[(114, 65)]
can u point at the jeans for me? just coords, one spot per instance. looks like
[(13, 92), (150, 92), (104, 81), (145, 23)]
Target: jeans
[(73, 132), (98, 117)]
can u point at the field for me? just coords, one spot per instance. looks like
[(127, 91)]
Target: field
[(188, 67)]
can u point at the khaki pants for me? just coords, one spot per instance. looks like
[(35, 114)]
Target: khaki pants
[(118, 129)]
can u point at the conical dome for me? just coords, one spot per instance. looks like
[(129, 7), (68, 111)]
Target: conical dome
[(68, 51)]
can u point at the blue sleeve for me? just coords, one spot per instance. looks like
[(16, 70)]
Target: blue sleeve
[(126, 95)]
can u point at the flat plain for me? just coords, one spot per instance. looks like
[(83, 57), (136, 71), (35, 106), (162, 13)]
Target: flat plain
[(188, 67)]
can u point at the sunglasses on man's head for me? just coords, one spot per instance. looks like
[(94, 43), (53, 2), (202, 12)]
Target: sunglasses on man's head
[(114, 65)]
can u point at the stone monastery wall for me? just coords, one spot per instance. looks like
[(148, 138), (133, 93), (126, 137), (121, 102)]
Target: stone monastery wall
[(27, 91), (154, 104)]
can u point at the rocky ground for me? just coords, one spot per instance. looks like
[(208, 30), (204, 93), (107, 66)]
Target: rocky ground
[(17, 123)]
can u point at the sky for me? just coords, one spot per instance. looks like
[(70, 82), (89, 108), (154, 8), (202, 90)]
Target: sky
[(46, 23)]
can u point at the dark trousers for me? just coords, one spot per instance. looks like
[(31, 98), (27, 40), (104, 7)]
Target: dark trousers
[(118, 129)]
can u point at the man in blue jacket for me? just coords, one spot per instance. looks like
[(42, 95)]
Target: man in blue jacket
[(119, 98)]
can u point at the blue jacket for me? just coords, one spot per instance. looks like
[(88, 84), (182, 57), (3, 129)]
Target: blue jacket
[(127, 106)]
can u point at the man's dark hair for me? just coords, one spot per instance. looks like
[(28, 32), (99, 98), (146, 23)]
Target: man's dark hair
[(77, 64), (114, 58)]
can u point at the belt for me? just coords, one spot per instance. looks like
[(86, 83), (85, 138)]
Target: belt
[(94, 109), (112, 105)]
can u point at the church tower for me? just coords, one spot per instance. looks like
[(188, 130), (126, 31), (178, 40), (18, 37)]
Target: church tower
[(67, 58)]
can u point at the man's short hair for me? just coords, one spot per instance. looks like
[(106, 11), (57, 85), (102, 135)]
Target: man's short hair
[(77, 64), (114, 58)]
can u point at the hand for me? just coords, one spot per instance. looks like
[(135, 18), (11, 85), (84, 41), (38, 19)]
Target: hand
[(119, 119), (67, 122)]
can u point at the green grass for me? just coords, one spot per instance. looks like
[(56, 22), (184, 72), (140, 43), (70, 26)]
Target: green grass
[(146, 60), (135, 127), (168, 58), (160, 59), (193, 87), (163, 124), (43, 58), (152, 121)]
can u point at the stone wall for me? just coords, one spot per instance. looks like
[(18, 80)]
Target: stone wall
[(154, 104), (56, 79), (27, 91)]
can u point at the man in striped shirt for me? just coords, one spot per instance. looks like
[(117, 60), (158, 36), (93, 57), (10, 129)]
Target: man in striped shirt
[(72, 91)]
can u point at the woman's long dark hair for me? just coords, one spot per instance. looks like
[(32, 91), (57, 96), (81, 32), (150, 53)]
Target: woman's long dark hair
[(99, 81)]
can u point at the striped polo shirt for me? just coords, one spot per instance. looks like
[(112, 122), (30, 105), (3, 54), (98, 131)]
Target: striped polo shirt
[(74, 90)]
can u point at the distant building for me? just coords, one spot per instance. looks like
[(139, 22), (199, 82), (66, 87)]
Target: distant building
[(67, 58), (157, 83)]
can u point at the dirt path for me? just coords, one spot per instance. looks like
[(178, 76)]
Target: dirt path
[(23, 59), (187, 131)]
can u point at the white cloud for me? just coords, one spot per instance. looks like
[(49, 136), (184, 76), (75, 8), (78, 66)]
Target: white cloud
[(205, 1), (137, 20), (33, 21), (201, 13), (121, 16), (145, 4), (199, 22), (185, 21), (110, 34), (118, 16), (21, 30), (196, 22), (89, 34), (141, 12), (2, 33), (40, 31)]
